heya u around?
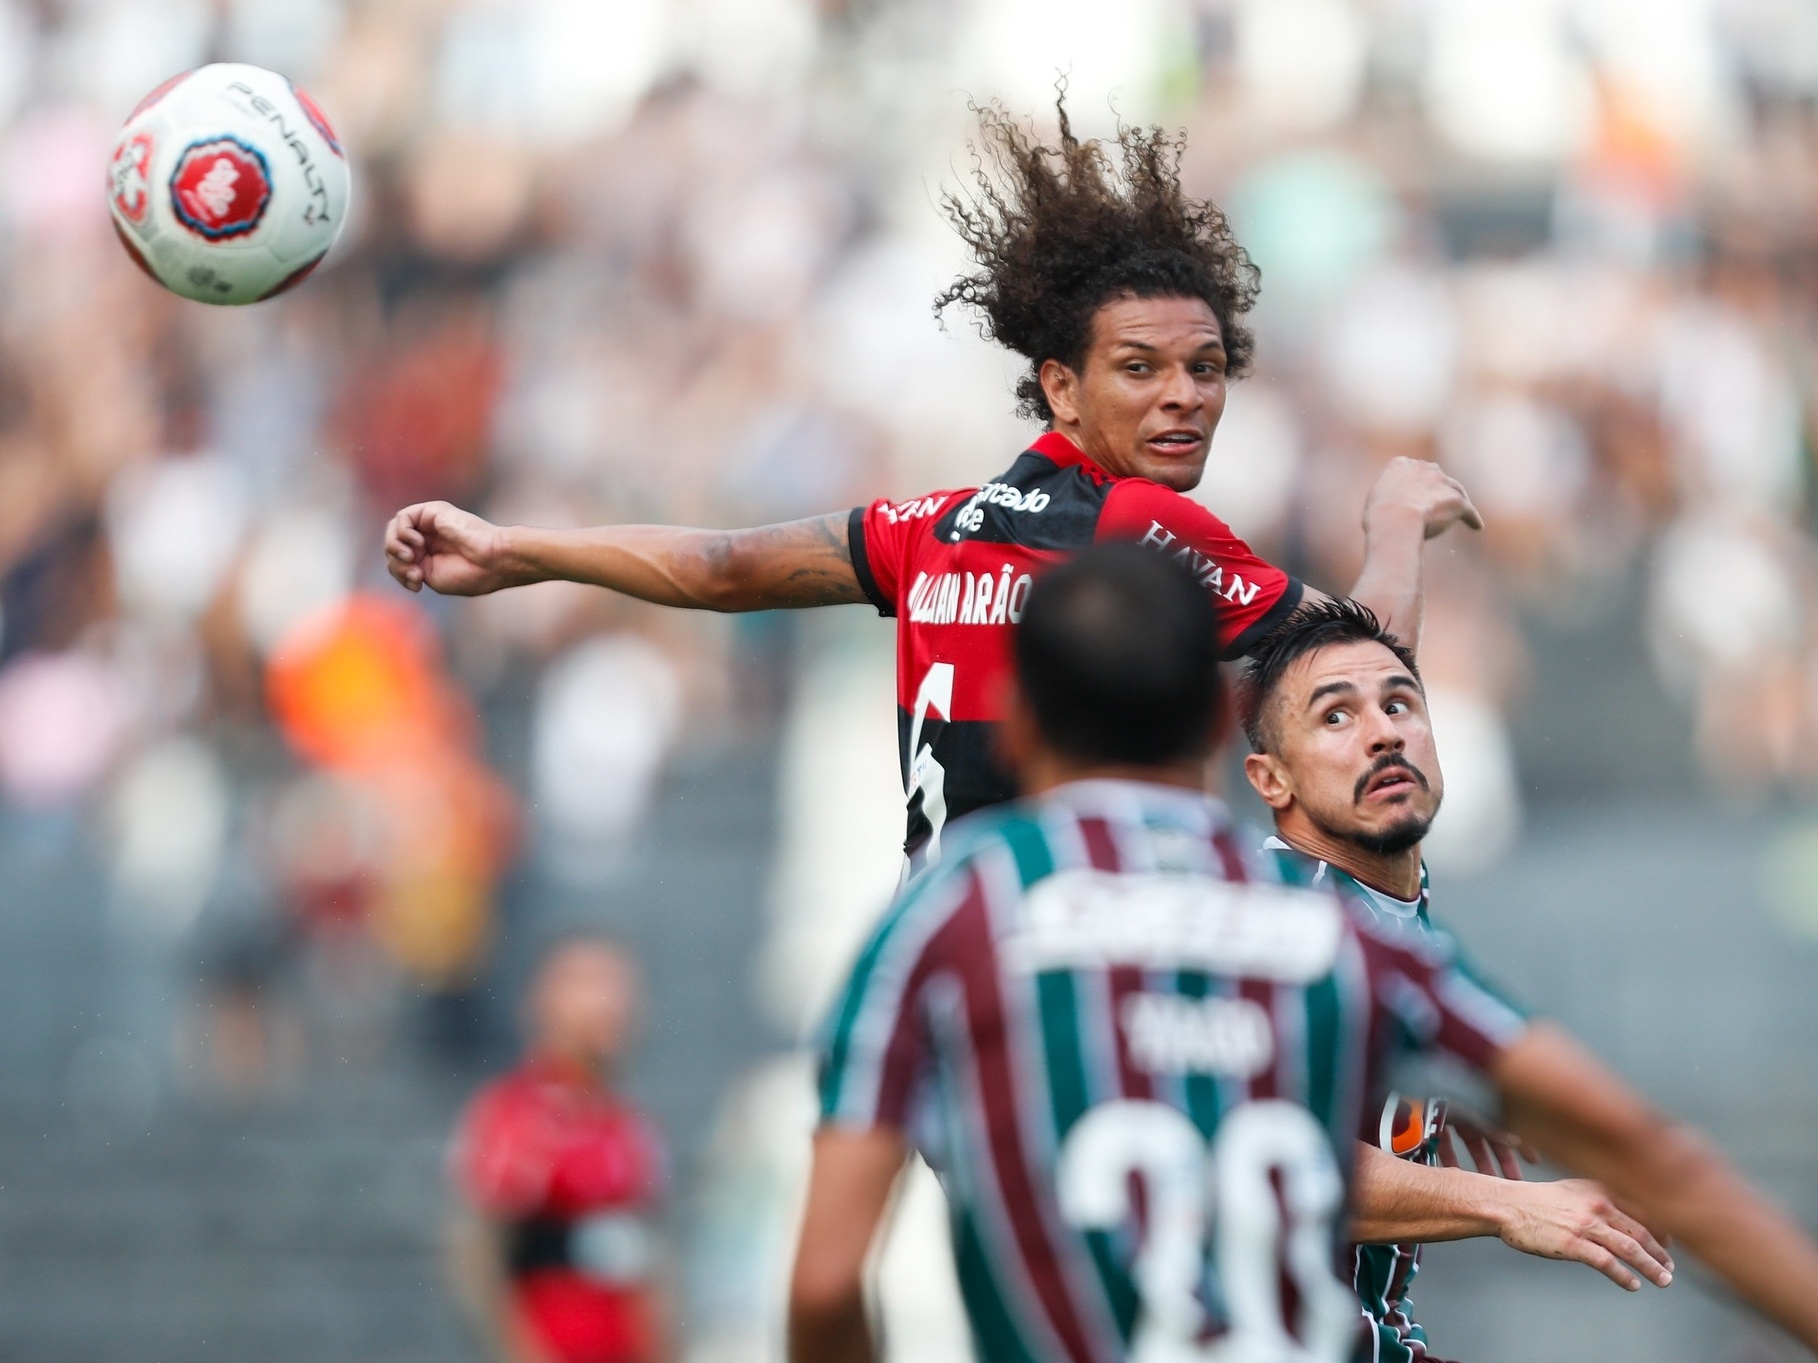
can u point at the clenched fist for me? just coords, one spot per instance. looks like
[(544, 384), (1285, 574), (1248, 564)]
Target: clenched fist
[(449, 550), (1417, 488)]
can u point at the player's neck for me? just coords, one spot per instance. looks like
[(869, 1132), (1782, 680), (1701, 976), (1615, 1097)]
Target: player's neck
[(1076, 433), (1043, 771), (1396, 874), (570, 1066)]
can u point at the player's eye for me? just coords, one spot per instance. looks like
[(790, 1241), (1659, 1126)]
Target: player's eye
[(1136, 367), (1334, 718), (1396, 707)]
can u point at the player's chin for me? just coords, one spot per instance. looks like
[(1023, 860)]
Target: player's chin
[(1176, 474), (1395, 835)]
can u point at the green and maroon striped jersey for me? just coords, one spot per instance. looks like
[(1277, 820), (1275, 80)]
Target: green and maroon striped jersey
[(1382, 1275), (1138, 1058)]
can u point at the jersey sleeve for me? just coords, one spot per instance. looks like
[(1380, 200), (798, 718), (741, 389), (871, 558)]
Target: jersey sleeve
[(1253, 595), (1433, 1001), (876, 1051), (880, 538)]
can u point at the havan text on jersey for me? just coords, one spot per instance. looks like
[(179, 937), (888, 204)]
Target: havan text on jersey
[(1206, 570)]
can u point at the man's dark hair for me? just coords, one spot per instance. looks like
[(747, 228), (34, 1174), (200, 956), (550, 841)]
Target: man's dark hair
[(1117, 653), (1060, 231), (1312, 627)]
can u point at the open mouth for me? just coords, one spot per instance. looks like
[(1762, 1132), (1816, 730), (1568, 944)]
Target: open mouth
[(1177, 442), (1390, 781)]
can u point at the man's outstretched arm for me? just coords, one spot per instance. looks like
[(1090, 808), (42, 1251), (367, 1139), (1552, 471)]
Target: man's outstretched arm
[(799, 563), (1583, 1117), (1395, 1201)]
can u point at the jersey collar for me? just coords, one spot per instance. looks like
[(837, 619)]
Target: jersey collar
[(558, 1071), (1059, 449), (1388, 903), (1104, 793)]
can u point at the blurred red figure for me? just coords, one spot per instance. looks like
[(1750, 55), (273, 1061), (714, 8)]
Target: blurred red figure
[(558, 1180)]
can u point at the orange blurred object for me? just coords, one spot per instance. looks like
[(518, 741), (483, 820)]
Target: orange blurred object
[(358, 690), (358, 684)]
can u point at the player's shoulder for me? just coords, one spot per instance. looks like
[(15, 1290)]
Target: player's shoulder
[(1006, 847), (927, 507), (1137, 504), (939, 889), (976, 838), (502, 1102), (1043, 501), (1398, 944)]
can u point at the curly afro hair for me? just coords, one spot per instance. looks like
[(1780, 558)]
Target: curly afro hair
[(1059, 231)]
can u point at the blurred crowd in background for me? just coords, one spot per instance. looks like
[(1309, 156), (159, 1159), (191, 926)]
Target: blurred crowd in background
[(672, 260)]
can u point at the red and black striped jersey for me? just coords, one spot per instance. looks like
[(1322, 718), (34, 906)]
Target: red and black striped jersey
[(954, 568)]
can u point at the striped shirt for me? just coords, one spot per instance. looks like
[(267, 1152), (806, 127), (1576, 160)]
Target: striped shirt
[(1137, 1055), (1383, 1275)]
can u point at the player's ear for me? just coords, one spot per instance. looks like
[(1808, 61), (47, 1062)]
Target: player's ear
[(1269, 779), (1060, 385)]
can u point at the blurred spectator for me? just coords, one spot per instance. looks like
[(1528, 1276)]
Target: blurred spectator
[(416, 420), (554, 1244)]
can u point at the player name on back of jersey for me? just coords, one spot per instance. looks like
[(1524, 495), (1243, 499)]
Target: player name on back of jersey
[(961, 598), (1169, 1034), (1087, 919)]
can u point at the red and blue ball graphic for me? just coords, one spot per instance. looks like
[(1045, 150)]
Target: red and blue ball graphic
[(220, 187)]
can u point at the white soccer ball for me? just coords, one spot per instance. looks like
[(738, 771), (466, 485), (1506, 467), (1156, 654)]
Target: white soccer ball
[(227, 184)]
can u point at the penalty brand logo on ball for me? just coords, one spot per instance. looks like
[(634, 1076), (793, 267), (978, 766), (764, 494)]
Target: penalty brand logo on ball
[(220, 188), (130, 174)]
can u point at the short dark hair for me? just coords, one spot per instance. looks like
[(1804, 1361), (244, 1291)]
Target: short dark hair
[(1060, 231), (1318, 625), (1117, 653)]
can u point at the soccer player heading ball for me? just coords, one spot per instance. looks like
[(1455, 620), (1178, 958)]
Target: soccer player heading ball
[(1127, 298), (1101, 990)]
